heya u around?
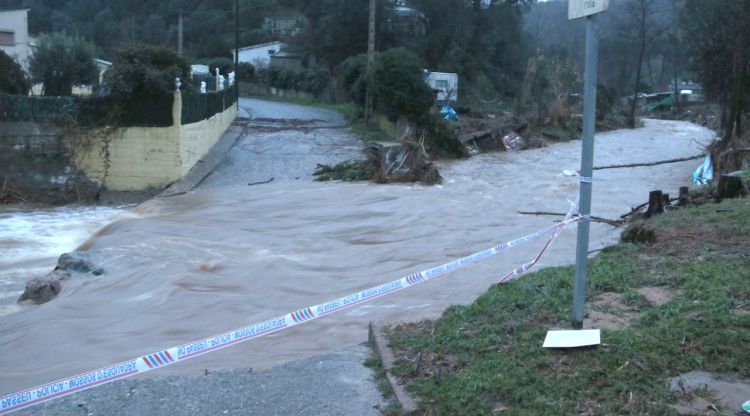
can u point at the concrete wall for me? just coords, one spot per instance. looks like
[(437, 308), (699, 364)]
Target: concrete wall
[(139, 158), (197, 138), (42, 162)]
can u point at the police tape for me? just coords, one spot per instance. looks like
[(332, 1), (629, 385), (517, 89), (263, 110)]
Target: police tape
[(83, 381), (555, 233)]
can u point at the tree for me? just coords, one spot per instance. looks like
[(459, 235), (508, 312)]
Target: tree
[(140, 71), (14, 80), (399, 87), (60, 61), (718, 37), (640, 28)]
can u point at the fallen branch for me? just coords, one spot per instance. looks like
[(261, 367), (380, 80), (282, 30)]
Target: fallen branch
[(661, 162), (261, 182), (594, 218)]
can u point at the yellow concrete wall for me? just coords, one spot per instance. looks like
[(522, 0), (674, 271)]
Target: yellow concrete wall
[(138, 158), (197, 138), (131, 159)]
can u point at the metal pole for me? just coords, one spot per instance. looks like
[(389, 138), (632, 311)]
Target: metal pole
[(587, 164)]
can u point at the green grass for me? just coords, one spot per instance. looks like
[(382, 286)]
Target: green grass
[(495, 343)]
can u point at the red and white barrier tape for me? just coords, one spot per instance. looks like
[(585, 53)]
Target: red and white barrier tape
[(66, 386)]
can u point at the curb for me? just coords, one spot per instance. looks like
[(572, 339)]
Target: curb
[(408, 403), (206, 165)]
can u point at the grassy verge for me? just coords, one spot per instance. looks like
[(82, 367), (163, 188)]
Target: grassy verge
[(486, 358)]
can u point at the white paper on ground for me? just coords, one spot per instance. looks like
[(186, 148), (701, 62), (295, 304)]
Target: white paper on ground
[(572, 339)]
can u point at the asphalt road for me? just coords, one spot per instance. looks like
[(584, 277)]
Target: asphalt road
[(284, 142), (335, 384)]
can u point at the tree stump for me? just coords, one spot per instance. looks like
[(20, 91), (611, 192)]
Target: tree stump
[(655, 203), (684, 196), (730, 186)]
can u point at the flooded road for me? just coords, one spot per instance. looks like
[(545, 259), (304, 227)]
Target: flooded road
[(229, 255)]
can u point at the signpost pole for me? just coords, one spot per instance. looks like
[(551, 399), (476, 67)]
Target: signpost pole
[(587, 164)]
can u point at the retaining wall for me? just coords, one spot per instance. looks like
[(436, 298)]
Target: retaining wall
[(43, 162)]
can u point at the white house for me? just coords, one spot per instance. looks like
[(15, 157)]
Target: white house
[(102, 66), (259, 55), (14, 35), (445, 83)]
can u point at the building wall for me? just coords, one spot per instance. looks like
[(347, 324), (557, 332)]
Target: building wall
[(16, 21), (259, 56), (449, 92)]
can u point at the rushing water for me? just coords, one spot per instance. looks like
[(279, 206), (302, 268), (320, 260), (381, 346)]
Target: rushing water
[(32, 240), (220, 258)]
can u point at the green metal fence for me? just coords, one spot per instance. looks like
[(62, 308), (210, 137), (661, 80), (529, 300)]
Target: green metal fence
[(197, 107), (94, 111)]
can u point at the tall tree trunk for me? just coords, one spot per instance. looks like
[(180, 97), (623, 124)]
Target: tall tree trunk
[(631, 118), (735, 105)]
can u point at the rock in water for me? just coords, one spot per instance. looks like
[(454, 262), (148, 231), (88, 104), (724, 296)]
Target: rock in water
[(43, 289), (79, 261)]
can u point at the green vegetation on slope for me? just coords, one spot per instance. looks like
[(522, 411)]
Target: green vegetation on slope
[(489, 353)]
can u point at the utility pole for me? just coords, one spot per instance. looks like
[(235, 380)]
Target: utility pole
[(132, 29), (236, 50), (179, 34), (370, 63)]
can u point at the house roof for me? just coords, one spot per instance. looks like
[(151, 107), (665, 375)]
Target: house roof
[(13, 9), (261, 45)]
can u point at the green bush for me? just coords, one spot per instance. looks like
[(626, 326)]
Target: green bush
[(245, 71), (13, 80), (61, 61), (399, 87), (354, 72), (146, 71)]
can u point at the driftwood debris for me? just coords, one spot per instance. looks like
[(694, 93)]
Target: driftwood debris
[(660, 162), (614, 223), (261, 182)]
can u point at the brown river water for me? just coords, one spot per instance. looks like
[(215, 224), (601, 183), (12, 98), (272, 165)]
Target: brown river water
[(184, 268)]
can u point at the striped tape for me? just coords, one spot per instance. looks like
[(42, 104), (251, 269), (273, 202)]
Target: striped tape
[(66, 386)]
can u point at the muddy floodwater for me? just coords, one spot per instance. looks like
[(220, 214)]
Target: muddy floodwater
[(183, 268)]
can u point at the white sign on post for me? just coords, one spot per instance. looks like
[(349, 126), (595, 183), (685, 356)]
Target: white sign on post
[(583, 8)]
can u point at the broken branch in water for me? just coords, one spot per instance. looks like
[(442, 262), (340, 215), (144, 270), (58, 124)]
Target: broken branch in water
[(261, 182), (614, 223), (660, 162)]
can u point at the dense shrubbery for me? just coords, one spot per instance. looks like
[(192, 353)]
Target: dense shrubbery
[(245, 71), (141, 71), (353, 71), (13, 80), (399, 87), (312, 80), (60, 61)]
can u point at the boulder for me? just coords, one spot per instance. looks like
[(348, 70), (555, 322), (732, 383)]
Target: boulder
[(43, 289), (80, 262)]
